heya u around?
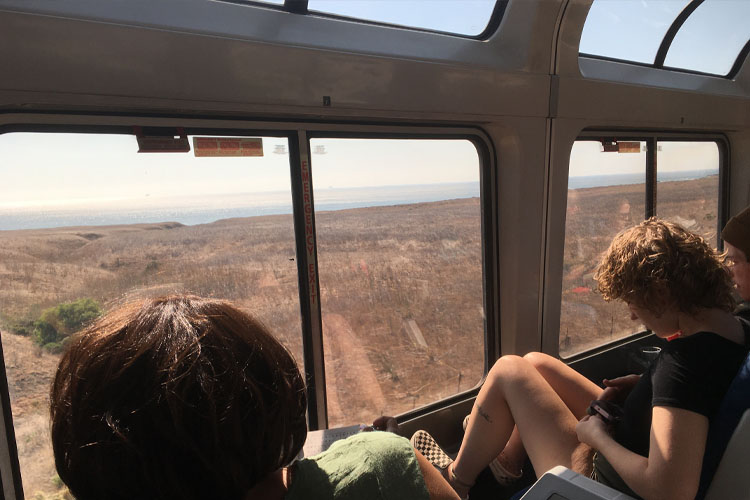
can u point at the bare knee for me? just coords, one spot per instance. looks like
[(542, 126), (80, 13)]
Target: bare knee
[(507, 368), (539, 360)]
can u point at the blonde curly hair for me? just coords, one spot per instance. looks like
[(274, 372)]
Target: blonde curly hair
[(657, 263)]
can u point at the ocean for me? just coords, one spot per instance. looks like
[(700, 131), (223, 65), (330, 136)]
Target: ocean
[(210, 208), (588, 181)]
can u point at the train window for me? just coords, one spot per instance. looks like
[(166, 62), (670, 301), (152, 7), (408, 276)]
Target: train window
[(609, 190), (399, 236), (87, 222), (687, 176), (706, 37), (606, 193), (711, 37), (632, 31), (462, 17)]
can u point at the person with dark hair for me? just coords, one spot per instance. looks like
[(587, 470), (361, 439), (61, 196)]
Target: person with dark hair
[(736, 236), (188, 398), (651, 443)]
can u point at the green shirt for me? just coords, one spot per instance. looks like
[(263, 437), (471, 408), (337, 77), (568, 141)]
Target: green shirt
[(366, 466)]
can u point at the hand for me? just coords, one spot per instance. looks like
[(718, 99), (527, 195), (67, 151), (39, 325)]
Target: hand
[(617, 389), (591, 429), (385, 423)]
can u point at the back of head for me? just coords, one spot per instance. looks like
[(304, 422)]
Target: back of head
[(658, 261), (737, 232), (177, 397)]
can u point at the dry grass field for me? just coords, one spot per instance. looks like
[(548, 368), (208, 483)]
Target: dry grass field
[(594, 216), (384, 272), (401, 293)]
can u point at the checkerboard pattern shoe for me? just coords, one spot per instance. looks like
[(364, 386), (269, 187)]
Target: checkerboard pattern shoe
[(426, 444)]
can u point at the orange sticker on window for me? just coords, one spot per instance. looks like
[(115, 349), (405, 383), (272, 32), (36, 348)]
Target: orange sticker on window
[(228, 146), (629, 147)]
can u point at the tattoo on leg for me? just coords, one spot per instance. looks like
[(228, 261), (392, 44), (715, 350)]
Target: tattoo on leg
[(484, 414)]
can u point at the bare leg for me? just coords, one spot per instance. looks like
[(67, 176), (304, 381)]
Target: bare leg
[(437, 488), (513, 455), (575, 390), (516, 393)]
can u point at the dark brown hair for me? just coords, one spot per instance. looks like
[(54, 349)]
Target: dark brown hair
[(659, 260), (176, 397)]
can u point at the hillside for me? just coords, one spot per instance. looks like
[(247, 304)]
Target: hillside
[(401, 292)]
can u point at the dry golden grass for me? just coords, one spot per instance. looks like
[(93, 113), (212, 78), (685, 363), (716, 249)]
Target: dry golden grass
[(29, 371), (384, 272), (380, 268)]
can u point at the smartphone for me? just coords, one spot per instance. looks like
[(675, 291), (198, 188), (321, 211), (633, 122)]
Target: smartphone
[(609, 411)]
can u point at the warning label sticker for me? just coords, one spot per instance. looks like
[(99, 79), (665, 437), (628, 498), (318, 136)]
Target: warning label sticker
[(228, 146)]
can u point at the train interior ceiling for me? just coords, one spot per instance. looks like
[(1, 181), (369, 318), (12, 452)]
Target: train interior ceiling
[(401, 203)]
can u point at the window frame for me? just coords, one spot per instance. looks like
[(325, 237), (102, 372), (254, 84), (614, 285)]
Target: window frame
[(298, 135), (652, 139), (666, 43), (301, 7), (10, 467), (488, 215)]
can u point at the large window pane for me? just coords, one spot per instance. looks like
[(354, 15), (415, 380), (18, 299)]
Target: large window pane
[(86, 222), (688, 186), (464, 17), (399, 239), (606, 194), (712, 37), (628, 30)]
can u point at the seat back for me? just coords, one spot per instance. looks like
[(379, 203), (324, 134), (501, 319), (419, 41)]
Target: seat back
[(731, 479), (734, 405)]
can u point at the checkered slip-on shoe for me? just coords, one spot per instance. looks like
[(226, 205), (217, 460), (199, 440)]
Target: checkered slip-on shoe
[(426, 444)]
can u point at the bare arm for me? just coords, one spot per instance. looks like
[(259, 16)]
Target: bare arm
[(672, 468)]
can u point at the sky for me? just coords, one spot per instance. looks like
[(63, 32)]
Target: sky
[(66, 169), (588, 158), (443, 15), (709, 41), (63, 168)]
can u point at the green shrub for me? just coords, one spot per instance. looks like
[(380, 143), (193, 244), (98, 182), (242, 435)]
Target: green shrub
[(20, 325), (44, 332), (57, 323), (55, 347), (23, 327), (74, 315)]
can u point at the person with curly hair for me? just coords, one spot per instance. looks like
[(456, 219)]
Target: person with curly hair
[(537, 406), (185, 398)]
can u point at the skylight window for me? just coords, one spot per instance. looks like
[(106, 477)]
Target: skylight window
[(462, 17), (628, 30), (700, 36), (711, 38)]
